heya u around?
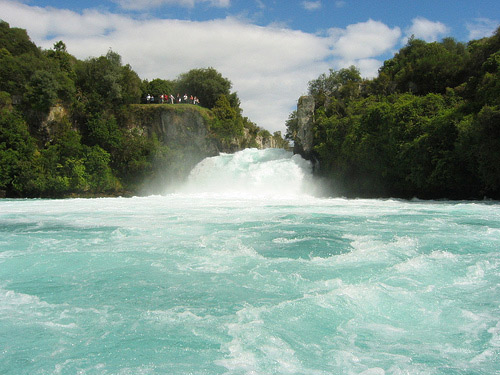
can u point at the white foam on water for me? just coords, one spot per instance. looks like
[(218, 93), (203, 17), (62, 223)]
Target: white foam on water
[(254, 349), (373, 371), (493, 350), (17, 304), (238, 282), (251, 173), (281, 240)]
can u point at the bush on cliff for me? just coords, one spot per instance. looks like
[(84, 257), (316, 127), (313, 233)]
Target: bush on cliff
[(227, 124), (207, 84)]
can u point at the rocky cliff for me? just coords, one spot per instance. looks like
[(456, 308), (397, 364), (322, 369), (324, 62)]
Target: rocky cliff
[(303, 142), (180, 126), (184, 126), (185, 130)]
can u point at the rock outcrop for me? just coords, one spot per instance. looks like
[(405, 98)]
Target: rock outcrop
[(178, 127), (265, 142), (303, 143), (185, 130), (187, 127)]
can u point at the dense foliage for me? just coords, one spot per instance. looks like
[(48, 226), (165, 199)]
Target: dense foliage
[(427, 126), (63, 122)]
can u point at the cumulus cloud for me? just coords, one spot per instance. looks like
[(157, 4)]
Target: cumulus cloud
[(148, 4), (368, 67), (311, 5), (363, 40), (62, 23), (482, 27), (427, 30), (268, 66)]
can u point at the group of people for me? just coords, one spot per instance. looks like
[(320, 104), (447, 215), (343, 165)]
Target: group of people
[(170, 99)]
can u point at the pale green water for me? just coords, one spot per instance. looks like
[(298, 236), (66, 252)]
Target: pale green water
[(248, 283)]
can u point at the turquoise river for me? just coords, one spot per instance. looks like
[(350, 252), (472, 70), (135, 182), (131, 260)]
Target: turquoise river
[(240, 271)]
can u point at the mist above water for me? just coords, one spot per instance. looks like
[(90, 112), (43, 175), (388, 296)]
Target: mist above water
[(252, 173)]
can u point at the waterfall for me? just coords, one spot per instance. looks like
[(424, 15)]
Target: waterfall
[(251, 172)]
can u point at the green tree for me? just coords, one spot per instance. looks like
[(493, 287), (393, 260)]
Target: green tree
[(99, 174), (131, 85), (228, 124), (16, 40), (41, 91), (423, 68), (207, 84), (11, 76), (487, 149), (99, 79), (344, 84), (292, 126), (16, 147), (103, 130), (158, 87), (60, 55)]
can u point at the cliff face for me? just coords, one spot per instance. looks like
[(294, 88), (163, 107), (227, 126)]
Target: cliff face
[(180, 127), (305, 118), (265, 142), (185, 130), (187, 127)]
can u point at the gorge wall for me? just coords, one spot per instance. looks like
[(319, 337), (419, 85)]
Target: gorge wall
[(185, 130), (304, 138), (185, 126)]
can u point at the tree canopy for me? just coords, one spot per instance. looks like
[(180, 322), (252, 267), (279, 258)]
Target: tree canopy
[(64, 122), (207, 84), (427, 126)]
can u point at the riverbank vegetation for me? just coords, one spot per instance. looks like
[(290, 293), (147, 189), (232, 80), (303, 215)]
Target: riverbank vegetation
[(64, 122), (427, 126)]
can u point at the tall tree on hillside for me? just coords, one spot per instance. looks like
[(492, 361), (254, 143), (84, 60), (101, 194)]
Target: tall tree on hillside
[(158, 87), (208, 85), (342, 84), (422, 67)]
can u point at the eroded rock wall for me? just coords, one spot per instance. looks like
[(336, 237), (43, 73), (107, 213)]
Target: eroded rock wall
[(305, 120), (178, 128)]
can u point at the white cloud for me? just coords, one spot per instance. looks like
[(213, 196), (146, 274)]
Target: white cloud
[(62, 23), (427, 30), (363, 40), (368, 67), (311, 5), (482, 27), (148, 4), (268, 66)]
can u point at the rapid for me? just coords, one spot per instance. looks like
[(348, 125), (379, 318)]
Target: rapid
[(243, 271)]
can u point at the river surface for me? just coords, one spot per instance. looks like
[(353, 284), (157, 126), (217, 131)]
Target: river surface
[(241, 272)]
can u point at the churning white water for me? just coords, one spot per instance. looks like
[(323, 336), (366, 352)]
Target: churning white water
[(252, 173), (244, 272)]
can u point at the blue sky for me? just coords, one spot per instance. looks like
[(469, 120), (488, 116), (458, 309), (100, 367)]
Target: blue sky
[(268, 49)]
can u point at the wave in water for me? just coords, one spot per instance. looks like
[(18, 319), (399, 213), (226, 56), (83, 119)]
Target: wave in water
[(251, 172)]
